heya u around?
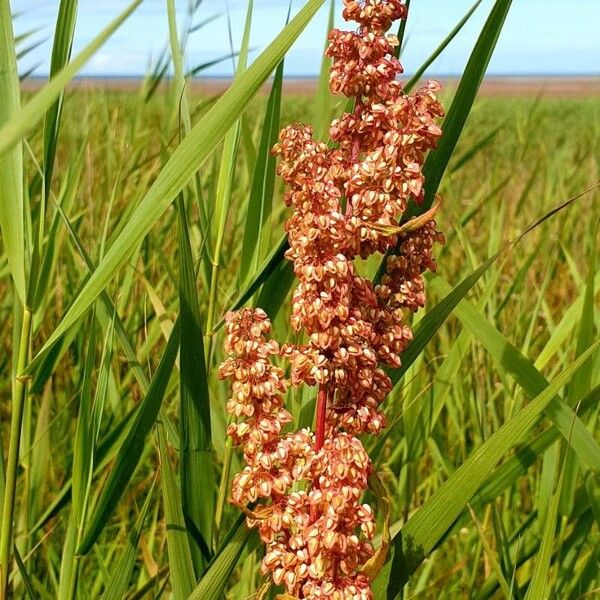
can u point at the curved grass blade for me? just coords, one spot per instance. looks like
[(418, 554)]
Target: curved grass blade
[(12, 223), (410, 84), (268, 267), (197, 501), (223, 194), (582, 382), (219, 571), (29, 587), (83, 463), (185, 160), (196, 467), (437, 161), (432, 321), (402, 31), (510, 470), (61, 53), (117, 585), (263, 182), (538, 585), (513, 362), (181, 568)]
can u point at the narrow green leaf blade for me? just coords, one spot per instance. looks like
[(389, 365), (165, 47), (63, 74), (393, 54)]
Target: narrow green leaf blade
[(513, 362), (118, 585), (410, 84), (12, 223), (196, 468), (61, 53), (216, 577), (181, 569), (263, 184), (437, 161)]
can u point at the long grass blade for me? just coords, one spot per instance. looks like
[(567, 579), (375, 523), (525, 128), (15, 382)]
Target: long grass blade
[(410, 84), (181, 568), (196, 468), (118, 585), (61, 53), (219, 571), (263, 183), (437, 161), (12, 223)]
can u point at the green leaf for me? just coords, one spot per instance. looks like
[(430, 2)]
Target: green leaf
[(437, 161), (270, 265), (29, 587), (219, 571), (61, 52), (582, 382), (428, 326), (510, 470), (12, 223), (118, 584), (256, 231), (195, 148), (131, 450), (410, 84), (224, 189), (538, 586), (510, 360), (428, 524), (196, 467), (181, 568)]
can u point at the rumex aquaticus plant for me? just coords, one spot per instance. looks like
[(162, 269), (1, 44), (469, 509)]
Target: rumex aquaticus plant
[(305, 487)]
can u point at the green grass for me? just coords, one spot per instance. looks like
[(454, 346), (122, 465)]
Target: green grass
[(451, 400), (148, 214)]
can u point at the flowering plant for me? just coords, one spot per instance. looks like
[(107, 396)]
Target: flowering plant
[(347, 201)]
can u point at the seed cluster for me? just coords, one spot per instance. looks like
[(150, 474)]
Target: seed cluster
[(346, 201)]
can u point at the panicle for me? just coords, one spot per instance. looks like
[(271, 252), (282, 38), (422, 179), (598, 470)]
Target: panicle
[(346, 203)]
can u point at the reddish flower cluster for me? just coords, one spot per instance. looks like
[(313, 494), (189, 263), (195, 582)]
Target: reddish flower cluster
[(346, 202)]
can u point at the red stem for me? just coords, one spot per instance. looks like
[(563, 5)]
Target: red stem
[(321, 413)]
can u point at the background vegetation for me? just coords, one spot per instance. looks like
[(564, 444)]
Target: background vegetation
[(490, 459)]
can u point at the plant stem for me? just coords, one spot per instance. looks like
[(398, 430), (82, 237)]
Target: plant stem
[(320, 415), (223, 484), (208, 344), (8, 509)]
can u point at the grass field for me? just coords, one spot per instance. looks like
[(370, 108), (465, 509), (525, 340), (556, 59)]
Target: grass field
[(133, 220), (466, 385)]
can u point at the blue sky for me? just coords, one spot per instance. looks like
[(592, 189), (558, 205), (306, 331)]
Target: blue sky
[(548, 37)]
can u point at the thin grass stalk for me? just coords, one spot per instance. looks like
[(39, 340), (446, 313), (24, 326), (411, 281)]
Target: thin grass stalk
[(8, 508), (223, 485)]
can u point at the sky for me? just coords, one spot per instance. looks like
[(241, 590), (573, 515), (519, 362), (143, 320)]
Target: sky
[(540, 37)]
